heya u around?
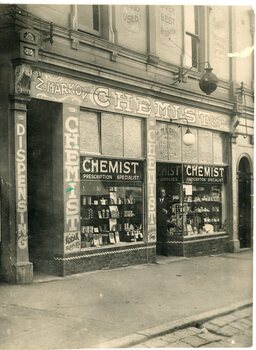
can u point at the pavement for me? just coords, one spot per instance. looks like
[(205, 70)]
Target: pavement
[(125, 307), (230, 330)]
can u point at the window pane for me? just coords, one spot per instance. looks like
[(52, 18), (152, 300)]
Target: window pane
[(133, 137), (191, 42), (117, 215), (112, 135), (190, 153), (161, 141), (88, 17), (95, 9), (205, 146), (218, 149), (89, 132), (174, 142)]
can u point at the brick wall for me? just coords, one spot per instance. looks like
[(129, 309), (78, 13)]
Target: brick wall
[(206, 247), (193, 246), (100, 258)]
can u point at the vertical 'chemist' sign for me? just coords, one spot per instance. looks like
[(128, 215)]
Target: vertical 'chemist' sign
[(151, 179), (21, 181), (72, 238)]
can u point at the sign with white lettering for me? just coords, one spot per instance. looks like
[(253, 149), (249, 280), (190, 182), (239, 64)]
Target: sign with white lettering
[(110, 169), (204, 173), (72, 238), (76, 92), (21, 180), (191, 173), (151, 180), (169, 172)]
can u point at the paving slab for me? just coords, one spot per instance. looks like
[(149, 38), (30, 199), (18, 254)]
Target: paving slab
[(210, 337), (180, 344), (195, 341), (227, 331)]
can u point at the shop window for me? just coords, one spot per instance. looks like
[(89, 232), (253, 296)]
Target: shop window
[(162, 141), (196, 198), (88, 18), (168, 142), (89, 132), (191, 35), (133, 138), (111, 201), (202, 209), (205, 145), (190, 153), (219, 148), (112, 135), (210, 147), (174, 142)]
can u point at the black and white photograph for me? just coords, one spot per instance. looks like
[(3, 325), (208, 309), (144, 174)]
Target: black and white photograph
[(126, 174)]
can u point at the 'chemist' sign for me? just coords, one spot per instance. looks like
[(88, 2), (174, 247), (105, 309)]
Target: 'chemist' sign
[(204, 173), (192, 173), (110, 169)]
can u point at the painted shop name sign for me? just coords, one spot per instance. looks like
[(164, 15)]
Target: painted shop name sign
[(204, 173), (65, 90), (21, 181), (72, 238), (192, 173), (110, 169)]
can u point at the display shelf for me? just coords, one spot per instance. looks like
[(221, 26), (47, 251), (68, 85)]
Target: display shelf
[(109, 219), (203, 210)]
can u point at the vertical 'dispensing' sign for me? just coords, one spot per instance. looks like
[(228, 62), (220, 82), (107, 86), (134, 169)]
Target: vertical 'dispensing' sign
[(72, 237), (21, 184)]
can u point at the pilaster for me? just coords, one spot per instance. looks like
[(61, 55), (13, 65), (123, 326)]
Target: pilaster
[(22, 269), (71, 180), (152, 40), (234, 244), (150, 171)]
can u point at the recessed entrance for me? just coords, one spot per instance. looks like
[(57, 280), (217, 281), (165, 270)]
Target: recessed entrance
[(44, 171), (245, 204)]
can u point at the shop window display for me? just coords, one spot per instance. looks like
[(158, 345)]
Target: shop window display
[(197, 203), (110, 213), (111, 204), (197, 211)]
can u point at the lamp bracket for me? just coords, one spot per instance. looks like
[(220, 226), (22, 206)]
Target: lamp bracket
[(181, 118), (181, 74), (181, 78)]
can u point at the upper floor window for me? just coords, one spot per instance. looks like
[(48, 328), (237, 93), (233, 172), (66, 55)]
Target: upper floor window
[(88, 18), (191, 19)]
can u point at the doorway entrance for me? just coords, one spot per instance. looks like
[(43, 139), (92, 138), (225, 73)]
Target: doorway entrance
[(43, 156), (245, 204)]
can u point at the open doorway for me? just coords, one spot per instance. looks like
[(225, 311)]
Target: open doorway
[(42, 133), (245, 203)]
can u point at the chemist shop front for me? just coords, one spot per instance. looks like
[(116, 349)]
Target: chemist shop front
[(103, 154), (92, 208), (196, 192)]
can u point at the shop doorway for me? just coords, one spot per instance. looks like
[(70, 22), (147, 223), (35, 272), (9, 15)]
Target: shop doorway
[(245, 204), (42, 132)]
